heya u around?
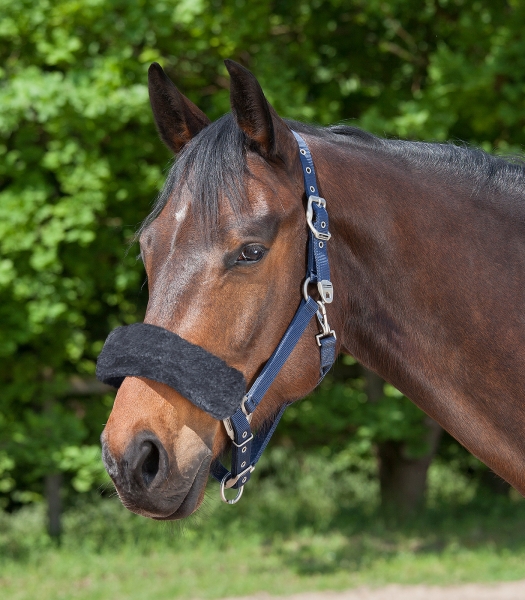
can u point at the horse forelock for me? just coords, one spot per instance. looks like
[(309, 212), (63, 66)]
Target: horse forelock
[(213, 167)]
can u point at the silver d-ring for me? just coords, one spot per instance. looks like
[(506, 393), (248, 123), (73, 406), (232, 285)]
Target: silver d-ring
[(239, 491), (305, 288)]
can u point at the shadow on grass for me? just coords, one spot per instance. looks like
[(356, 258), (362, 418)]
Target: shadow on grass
[(356, 539)]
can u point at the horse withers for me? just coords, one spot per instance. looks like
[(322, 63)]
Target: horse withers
[(427, 256)]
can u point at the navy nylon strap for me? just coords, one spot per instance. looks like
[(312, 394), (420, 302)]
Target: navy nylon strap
[(318, 267), (241, 433), (259, 444), (303, 316), (310, 180), (246, 448), (327, 345)]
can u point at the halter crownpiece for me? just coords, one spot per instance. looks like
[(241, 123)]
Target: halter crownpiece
[(144, 350)]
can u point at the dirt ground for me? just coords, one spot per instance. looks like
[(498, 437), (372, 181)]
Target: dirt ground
[(512, 590)]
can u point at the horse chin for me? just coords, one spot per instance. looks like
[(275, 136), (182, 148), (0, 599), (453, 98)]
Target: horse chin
[(193, 498)]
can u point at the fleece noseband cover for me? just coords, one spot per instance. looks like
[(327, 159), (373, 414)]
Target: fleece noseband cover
[(143, 350)]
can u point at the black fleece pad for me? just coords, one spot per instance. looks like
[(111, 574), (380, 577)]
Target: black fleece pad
[(143, 350)]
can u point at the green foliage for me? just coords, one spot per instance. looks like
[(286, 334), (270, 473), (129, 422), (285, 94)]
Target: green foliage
[(86, 464), (80, 164), (340, 415)]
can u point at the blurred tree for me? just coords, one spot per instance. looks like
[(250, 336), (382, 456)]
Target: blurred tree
[(403, 471), (81, 163), (354, 404)]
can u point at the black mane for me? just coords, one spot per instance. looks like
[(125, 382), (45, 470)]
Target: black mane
[(213, 165)]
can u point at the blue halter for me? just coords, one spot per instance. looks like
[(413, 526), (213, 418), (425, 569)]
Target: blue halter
[(247, 448)]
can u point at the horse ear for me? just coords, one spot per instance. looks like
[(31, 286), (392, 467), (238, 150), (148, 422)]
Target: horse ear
[(178, 120), (254, 114)]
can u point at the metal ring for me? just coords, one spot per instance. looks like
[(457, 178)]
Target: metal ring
[(305, 288), (239, 491)]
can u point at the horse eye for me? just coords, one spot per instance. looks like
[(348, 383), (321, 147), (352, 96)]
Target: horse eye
[(251, 254)]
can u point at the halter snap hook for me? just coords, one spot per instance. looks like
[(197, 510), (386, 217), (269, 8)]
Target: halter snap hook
[(323, 321)]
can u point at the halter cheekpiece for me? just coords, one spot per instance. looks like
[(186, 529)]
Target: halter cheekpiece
[(144, 350)]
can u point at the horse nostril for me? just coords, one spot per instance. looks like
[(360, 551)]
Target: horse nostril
[(150, 465)]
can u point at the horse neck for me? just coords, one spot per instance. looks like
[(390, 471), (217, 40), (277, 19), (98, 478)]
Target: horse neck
[(429, 280)]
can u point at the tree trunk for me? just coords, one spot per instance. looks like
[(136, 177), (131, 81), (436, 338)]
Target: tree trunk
[(53, 484), (403, 480)]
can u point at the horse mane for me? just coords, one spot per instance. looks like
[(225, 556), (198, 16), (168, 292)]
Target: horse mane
[(213, 165), (461, 161)]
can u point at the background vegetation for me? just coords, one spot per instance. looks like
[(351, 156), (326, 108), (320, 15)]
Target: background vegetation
[(80, 166)]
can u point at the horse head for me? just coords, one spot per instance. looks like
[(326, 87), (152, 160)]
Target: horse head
[(225, 253)]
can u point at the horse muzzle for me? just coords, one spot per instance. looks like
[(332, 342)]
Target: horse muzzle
[(157, 448), (156, 459)]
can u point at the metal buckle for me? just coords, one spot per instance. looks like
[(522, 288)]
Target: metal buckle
[(310, 216), (228, 423), (305, 288), (244, 410), (228, 483), (321, 202), (245, 442), (326, 290)]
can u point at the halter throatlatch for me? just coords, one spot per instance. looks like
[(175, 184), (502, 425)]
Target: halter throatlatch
[(143, 350)]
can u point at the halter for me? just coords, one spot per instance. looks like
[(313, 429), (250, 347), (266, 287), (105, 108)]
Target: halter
[(144, 350), (247, 448)]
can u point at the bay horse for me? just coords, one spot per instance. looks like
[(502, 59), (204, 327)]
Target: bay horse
[(428, 270)]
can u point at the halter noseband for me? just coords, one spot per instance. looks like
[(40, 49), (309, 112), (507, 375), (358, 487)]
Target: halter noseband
[(144, 350)]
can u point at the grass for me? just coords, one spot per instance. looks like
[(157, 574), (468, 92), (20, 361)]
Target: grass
[(321, 531), (245, 569)]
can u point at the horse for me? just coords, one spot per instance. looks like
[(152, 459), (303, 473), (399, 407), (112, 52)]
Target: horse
[(427, 253)]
